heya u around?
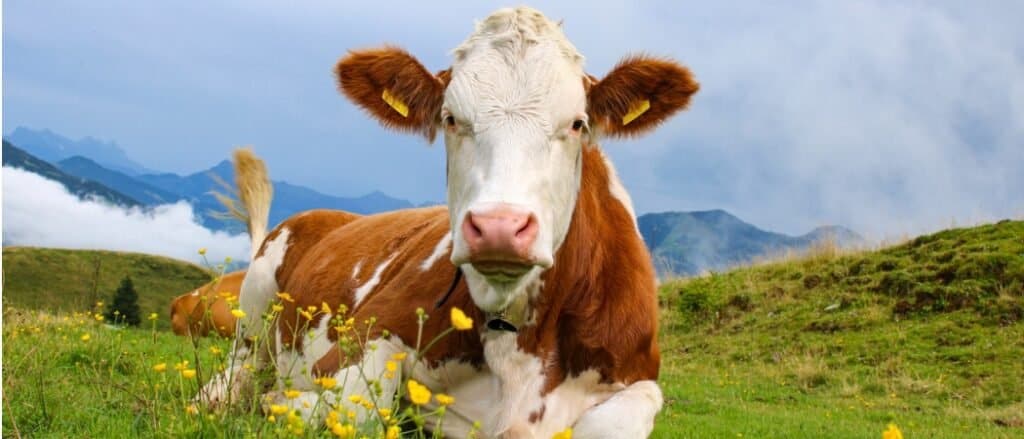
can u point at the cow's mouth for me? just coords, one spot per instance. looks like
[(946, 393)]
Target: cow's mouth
[(499, 270)]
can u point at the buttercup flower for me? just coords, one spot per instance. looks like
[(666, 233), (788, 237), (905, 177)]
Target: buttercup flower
[(398, 356), (892, 432), (188, 373), (238, 313), (286, 297), (393, 432), (292, 394), (460, 321), (152, 316), (160, 367), (444, 399), (202, 251), (418, 393), (86, 337), (277, 308), (326, 382), (278, 409)]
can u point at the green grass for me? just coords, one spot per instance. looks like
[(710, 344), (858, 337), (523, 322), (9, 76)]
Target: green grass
[(927, 335), (64, 280)]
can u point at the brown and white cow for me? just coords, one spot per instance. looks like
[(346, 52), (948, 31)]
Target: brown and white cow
[(555, 271), (206, 309)]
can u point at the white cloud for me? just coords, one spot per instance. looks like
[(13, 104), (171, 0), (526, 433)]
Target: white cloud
[(40, 212)]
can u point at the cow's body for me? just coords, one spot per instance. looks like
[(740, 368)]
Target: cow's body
[(206, 309), (556, 275)]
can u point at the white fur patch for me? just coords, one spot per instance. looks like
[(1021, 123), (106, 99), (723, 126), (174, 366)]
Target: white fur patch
[(439, 250), (365, 289), (629, 412), (355, 270), (619, 191)]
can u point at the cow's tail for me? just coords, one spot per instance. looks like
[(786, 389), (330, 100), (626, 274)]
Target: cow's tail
[(254, 195)]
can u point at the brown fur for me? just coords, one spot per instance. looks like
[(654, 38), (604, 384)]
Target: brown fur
[(363, 75), (665, 83), (597, 309), (189, 311)]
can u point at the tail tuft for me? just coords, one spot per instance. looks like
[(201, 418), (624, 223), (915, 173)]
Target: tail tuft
[(254, 193)]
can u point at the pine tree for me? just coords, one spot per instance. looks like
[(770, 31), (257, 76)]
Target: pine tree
[(124, 308)]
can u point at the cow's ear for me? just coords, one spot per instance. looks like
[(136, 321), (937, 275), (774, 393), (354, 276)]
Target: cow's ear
[(637, 95), (394, 88)]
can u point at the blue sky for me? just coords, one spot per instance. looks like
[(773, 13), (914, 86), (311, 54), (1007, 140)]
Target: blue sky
[(888, 117)]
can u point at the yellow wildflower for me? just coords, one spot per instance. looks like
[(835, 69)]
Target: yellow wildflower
[(398, 356), (152, 316), (384, 413), (98, 317), (355, 399), (286, 297), (418, 393), (324, 308), (277, 308), (86, 337), (391, 366), (271, 418), (215, 350), (225, 294), (292, 393), (160, 367), (343, 431), (327, 382), (460, 321), (393, 432), (181, 366), (306, 314), (202, 251), (564, 434), (188, 373), (192, 409), (278, 409), (238, 313), (892, 433), (444, 399)]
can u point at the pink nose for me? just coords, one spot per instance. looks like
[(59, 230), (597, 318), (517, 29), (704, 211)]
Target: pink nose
[(500, 237)]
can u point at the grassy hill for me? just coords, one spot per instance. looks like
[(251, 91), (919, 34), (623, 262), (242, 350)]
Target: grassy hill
[(927, 334), (66, 280)]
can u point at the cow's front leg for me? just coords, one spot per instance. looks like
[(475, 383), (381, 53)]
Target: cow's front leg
[(354, 388), (629, 413)]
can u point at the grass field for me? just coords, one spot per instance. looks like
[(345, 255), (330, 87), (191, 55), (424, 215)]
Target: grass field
[(927, 335)]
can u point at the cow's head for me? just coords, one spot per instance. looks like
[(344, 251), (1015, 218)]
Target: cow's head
[(516, 109)]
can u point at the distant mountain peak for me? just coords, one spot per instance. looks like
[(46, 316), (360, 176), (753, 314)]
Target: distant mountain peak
[(52, 147)]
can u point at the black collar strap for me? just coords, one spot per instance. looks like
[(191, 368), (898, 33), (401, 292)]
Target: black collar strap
[(451, 289)]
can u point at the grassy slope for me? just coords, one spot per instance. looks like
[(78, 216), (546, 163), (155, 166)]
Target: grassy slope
[(62, 280), (927, 334)]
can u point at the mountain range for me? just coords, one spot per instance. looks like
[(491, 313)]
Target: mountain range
[(681, 243)]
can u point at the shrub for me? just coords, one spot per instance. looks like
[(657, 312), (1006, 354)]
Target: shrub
[(124, 306)]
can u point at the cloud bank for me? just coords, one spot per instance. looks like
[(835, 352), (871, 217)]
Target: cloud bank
[(40, 212)]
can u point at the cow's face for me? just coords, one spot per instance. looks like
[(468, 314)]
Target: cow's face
[(516, 109)]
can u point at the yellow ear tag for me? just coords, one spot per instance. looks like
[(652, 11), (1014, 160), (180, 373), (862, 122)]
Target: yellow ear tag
[(635, 112), (395, 103)]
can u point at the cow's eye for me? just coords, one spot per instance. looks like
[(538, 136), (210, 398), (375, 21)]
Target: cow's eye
[(577, 125), (449, 121)]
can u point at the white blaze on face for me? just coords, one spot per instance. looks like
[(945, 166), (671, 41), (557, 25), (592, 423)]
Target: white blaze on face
[(515, 92)]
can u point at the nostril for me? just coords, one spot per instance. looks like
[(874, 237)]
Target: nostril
[(528, 228), (470, 227)]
